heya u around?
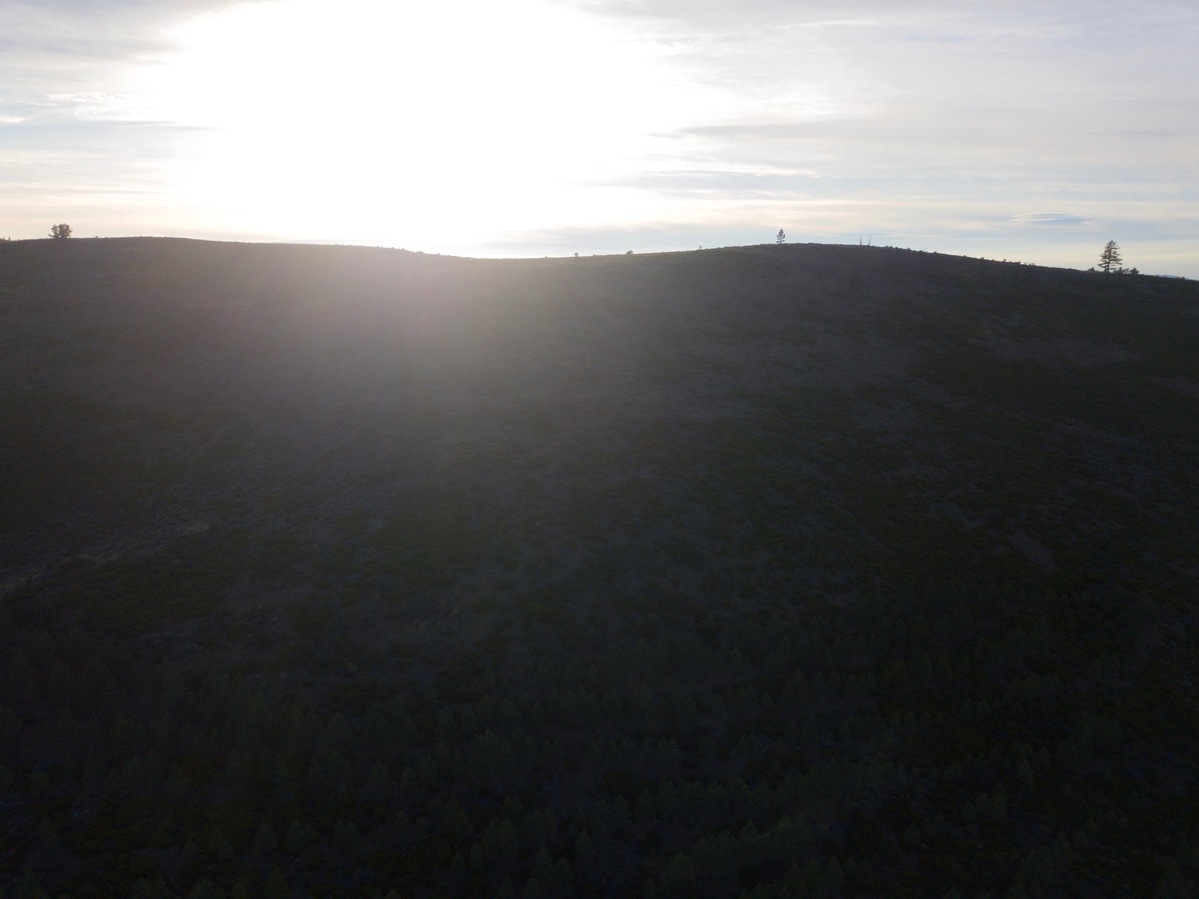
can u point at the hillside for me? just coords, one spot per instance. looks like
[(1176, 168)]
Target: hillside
[(766, 569)]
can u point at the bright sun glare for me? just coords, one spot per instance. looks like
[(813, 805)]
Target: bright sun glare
[(406, 123)]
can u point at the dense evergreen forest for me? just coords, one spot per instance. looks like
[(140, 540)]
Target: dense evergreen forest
[(770, 571)]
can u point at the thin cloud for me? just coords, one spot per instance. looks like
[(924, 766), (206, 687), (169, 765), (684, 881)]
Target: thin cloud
[(71, 60), (1056, 219)]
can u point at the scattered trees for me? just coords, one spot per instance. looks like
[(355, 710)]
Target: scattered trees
[(60, 232), (1110, 257), (1000, 729)]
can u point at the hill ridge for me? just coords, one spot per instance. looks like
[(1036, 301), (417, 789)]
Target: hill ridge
[(765, 571)]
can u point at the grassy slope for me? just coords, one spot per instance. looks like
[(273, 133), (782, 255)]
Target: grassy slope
[(255, 458), (760, 421)]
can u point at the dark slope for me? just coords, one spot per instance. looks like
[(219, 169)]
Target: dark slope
[(747, 421), (342, 472)]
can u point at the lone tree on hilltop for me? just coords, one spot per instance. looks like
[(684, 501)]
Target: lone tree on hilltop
[(60, 232), (1110, 257), (781, 237)]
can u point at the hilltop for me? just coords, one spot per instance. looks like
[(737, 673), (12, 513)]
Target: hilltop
[(853, 417), (658, 488)]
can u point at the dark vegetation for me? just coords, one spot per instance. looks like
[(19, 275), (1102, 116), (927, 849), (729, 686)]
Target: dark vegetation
[(779, 571)]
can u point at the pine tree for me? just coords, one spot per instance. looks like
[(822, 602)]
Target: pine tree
[(1110, 257), (781, 237), (276, 886), (265, 842)]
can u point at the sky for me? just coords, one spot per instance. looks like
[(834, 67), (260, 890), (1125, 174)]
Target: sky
[(1030, 131)]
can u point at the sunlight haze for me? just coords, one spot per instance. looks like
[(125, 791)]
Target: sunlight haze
[(423, 127), (1019, 131)]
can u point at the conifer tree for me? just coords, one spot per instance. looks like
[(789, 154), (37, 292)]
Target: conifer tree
[(1110, 257)]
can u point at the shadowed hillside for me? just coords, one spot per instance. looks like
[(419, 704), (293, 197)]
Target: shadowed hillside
[(783, 570)]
